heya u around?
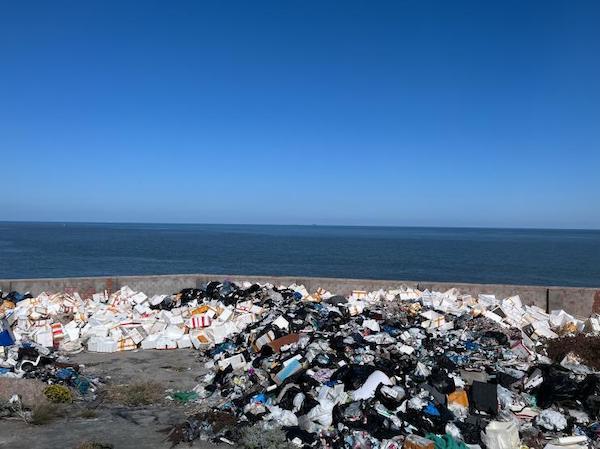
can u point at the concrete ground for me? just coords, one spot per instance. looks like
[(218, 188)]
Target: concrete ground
[(123, 427)]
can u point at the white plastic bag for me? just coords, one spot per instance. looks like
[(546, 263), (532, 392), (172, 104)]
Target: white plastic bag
[(501, 435)]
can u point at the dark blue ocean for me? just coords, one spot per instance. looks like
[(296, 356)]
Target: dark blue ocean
[(516, 256)]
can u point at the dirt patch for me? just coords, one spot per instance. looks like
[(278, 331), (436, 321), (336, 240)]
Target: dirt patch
[(31, 391), (584, 346), (136, 394)]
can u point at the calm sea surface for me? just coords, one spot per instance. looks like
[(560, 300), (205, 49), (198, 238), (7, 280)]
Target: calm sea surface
[(545, 257)]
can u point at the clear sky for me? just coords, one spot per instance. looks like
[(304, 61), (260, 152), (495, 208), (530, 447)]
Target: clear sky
[(444, 113)]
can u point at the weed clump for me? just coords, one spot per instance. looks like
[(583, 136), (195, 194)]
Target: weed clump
[(137, 394), (59, 394), (45, 412)]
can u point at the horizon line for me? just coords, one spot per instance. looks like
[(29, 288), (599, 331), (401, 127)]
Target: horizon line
[(532, 228)]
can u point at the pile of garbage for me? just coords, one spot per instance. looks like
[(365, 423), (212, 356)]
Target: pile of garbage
[(126, 320), (404, 368), (384, 369)]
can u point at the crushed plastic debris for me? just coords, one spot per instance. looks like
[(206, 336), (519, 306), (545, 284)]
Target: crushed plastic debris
[(184, 396), (375, 370)]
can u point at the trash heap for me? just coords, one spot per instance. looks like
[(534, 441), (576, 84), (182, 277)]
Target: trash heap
[(385, 369), (126, 320), (404, 368)]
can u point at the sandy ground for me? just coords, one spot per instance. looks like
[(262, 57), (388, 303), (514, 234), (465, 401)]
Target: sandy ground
[(118, 425)]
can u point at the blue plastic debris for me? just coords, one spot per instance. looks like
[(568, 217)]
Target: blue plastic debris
[(259, 398), (82, 384), (459, 360), (66, 373), (293, 367), (393, 331), (6, 336), (431, 410), (471, 345)]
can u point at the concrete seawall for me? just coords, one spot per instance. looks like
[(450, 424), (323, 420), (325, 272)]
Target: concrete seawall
[(577, 301)]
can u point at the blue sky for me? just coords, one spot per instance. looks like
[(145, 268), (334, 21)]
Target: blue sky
[(385, 113)]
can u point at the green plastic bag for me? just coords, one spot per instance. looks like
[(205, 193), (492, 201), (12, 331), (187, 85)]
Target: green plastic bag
[(185, 396), (445, 442)]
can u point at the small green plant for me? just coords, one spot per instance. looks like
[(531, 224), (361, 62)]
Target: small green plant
[(59, 394)]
